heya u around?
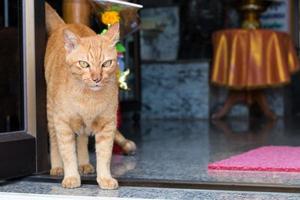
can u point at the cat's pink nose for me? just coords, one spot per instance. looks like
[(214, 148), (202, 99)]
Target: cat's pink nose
[(96, 80)]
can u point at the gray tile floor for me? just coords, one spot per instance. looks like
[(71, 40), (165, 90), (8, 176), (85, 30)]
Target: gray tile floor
[(139, 192), (176, 151)]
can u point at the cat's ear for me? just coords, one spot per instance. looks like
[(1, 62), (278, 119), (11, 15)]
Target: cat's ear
[(113, 33), (71, 40)]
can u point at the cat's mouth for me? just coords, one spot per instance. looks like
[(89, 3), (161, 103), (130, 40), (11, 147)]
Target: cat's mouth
[(95, 87)]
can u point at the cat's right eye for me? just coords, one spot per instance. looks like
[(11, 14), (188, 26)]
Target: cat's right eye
[(84, 64), (107, 63)]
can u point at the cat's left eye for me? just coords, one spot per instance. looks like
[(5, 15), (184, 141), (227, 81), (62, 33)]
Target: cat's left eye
[(107, 63), (84, 64)]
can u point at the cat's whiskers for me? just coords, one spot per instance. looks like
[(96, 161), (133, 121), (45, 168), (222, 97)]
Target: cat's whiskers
[(111, 79)]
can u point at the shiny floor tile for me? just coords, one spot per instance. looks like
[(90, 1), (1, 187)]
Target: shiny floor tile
[(181, 150), (178, 151)]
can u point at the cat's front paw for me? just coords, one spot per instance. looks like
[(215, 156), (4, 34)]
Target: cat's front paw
[(57, 171), (86, 169), (71, 182), (108, 183)]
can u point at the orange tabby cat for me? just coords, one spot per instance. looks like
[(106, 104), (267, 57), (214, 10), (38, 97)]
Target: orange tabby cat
[(82, 98)]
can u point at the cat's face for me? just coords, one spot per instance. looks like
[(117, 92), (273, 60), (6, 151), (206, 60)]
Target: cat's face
[(92, 60)]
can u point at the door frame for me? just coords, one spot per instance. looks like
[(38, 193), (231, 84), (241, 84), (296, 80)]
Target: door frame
[(34, 48), (42, 155)]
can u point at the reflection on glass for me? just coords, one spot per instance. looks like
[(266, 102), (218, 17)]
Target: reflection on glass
[(11, 66)]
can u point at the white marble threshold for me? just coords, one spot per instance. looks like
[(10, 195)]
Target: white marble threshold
[(26, 196)]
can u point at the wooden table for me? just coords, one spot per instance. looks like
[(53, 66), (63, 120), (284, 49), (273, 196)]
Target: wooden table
[(248, 61)]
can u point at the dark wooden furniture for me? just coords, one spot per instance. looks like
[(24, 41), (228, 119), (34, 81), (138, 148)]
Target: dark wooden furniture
[(78, 11)]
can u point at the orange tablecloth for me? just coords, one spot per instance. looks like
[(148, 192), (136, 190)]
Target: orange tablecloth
[(250, 59)]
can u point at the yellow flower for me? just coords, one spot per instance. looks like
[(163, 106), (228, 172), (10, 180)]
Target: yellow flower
[(110, 17)]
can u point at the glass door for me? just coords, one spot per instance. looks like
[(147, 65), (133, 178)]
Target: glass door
[(17, 143)]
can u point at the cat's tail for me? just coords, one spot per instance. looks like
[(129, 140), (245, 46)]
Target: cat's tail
[(53, 20)]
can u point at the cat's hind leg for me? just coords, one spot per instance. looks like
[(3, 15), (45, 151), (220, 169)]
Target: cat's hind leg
[(85, 166), (55, 158)]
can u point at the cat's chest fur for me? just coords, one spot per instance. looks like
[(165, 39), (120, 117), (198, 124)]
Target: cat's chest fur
[(83, 107)]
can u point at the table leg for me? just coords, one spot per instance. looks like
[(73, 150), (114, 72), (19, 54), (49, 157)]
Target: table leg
[(261, 100), (247, 97), (233, 98)]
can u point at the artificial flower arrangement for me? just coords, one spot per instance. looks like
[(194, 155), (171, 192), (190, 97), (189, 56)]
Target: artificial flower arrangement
[(124, 13)]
